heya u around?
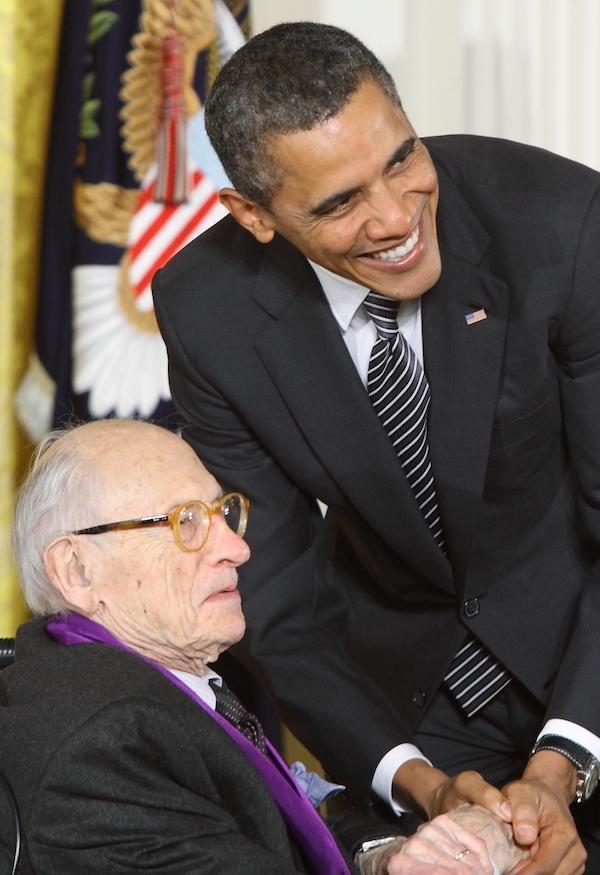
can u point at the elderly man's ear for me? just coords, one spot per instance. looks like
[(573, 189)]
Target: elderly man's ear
[(249, 215), (66, 569)]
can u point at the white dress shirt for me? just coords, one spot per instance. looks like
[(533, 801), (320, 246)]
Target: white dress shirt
[(199, 684), (345, 299)]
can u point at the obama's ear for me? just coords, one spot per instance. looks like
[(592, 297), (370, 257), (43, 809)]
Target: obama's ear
[(248, 214)]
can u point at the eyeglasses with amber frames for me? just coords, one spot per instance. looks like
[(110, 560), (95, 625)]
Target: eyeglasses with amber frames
[(189, 521)]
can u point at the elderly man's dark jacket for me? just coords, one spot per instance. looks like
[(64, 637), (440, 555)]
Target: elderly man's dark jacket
[(116, 770), (353, 620)]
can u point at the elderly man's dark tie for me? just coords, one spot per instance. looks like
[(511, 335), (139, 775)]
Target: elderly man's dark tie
[(399, 392), (229, 706)]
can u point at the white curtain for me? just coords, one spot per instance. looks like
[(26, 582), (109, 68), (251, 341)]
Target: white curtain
[(528, 70)]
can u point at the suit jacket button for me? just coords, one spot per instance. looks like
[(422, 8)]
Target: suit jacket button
[(471, 608), (419, 698)]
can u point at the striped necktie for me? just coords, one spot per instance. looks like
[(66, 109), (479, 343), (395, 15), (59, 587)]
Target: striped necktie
[(399, 392), (475, 676)]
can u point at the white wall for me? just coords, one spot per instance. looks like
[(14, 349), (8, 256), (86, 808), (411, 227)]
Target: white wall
[(524, 69)]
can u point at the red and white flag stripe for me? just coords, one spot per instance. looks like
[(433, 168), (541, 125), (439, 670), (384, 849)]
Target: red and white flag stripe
[(157, 231)]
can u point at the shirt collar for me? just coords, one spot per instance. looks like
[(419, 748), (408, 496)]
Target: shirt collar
[(199, 683), (343, 295)]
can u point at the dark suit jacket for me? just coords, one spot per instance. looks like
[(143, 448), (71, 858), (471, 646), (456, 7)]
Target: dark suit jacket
[(353, 621), (117, 771)]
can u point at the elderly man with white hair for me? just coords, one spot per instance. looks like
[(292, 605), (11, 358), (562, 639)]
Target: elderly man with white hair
[(125, 751)]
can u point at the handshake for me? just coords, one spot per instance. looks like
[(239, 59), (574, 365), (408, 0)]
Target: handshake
[(469, 840)]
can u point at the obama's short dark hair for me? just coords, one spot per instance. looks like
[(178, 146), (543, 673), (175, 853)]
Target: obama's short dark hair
[(288, 78)]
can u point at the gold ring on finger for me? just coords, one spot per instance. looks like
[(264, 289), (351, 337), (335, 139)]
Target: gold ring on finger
[(461, 854)]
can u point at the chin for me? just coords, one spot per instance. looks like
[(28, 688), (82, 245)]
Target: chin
[(235, 631)]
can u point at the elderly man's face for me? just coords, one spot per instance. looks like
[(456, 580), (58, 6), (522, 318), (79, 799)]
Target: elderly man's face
[(182, 608), (359, 196)]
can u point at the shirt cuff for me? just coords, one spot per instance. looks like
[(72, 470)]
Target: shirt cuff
[(572, 731), (382, 783)]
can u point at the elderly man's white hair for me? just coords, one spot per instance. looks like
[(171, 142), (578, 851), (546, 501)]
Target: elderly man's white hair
[(59, 494)]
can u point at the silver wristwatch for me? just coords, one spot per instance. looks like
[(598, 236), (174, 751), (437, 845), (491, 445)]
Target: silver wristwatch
[(588, 767), (371, 845)]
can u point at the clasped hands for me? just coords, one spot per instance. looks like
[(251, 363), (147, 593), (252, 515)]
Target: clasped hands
[(526, 827), (469, 840)]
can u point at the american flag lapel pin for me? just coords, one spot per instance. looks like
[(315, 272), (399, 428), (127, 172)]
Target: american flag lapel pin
[(476, 316)]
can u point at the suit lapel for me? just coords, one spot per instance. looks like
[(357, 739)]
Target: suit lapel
[(307, 359), (463, 364)]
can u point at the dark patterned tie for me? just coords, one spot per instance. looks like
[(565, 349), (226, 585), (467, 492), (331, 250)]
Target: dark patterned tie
[(399, 392), (229, 706)]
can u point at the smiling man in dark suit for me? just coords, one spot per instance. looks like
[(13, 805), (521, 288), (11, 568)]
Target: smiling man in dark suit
[(409, 332)]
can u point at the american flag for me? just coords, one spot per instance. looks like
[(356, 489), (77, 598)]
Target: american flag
[(157, 230), (98, 349), (476, 316)]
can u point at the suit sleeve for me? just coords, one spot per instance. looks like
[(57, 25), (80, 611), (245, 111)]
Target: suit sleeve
[(132, 791), (575, 695), (325, 697)]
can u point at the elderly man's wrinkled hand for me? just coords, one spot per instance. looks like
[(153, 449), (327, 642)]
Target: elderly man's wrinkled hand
[(496, 833), (445, 846), (469, 840)]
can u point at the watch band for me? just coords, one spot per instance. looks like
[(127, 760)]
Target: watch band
[(573, 752), (588, 767), (370, 845)]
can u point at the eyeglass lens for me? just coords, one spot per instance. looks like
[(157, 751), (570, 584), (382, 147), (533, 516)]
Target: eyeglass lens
[(232, 513), (194, 520)]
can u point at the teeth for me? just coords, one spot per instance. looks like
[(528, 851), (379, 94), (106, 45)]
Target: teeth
[(400, 251)]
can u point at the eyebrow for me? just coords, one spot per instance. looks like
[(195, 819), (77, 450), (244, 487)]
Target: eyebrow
[(329, 203), (332, 201), (220, 493), (401, 152)]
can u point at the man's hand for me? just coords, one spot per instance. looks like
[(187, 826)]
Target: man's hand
[(537, 805), (497, 835), (442, 847), (467, 841), (541, 818), (418, 786)]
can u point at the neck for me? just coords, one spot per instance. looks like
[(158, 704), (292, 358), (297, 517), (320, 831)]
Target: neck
[(169, 654)]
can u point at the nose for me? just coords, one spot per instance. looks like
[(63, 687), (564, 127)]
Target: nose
[(390, 216), (225, 545)]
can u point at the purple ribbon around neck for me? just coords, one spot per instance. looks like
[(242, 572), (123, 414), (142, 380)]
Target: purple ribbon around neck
[(304, 824)]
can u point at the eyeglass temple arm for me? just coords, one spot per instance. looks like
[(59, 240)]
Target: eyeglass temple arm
[(124, 524)]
